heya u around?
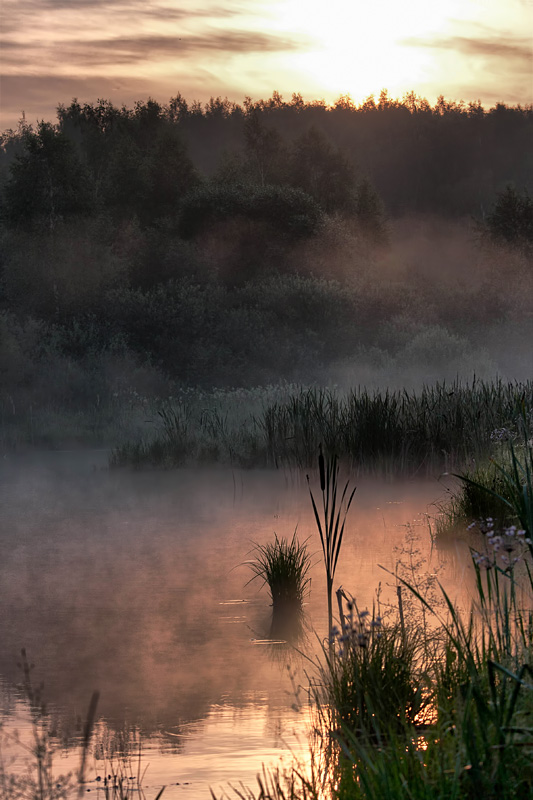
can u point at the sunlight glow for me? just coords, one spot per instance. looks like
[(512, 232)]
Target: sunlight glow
[(461, 48), (360, 47)]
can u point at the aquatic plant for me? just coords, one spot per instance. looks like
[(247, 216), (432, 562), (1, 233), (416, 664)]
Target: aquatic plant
[(443, 426), (40, 780), (500, 489), (372, 676), (514, 490), (332, 521), (444, 712), (284, 566)]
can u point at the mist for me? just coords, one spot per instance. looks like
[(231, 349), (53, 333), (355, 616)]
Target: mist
[(181, 247), (195, 301)]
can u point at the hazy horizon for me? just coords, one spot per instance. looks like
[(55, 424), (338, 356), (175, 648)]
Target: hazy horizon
[(55, 50)]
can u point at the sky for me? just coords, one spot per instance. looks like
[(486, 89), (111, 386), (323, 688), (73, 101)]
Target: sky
[(128, 50)]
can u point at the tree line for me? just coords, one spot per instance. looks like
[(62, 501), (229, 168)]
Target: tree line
[(405, 156), (163, 246)]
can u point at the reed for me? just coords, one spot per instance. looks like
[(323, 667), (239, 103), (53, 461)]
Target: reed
[(499, 490), (444, 711), (441, 427), (283, 566), (332, 521), (40, 780)]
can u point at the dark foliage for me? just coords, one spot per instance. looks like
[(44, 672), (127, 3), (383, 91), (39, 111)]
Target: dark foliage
[(290, 212), (220, 245), (511, 218), (47, 181)]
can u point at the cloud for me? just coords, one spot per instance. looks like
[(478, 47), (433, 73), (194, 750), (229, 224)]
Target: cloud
[(515, 49), (39, 95), (129, 50), (188, 8), (138, 48), (17, 11)]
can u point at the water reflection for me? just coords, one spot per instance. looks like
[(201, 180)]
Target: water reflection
[(134, 584)]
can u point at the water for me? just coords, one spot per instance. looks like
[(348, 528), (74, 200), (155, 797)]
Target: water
[(134, 585)]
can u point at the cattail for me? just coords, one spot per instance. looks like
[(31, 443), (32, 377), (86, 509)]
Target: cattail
[(321, 469)]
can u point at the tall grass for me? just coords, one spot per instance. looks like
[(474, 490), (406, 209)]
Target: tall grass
[(443, 426), (400, 431), (284, 566), (437, 703), (513, 489), (332, 521), (479, 673), (40, 779), (372, 677), (499, 489)]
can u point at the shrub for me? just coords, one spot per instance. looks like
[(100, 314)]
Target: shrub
[(290, 212)]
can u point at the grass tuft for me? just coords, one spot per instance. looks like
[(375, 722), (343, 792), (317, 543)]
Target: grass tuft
[(284, 566)]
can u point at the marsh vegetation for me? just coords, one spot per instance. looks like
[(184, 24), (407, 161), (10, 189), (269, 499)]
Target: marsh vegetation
[(203, 290), (161, 250), (439, 702), (416, 688)]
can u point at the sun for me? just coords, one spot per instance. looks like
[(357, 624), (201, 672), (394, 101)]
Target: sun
[(359, 47)]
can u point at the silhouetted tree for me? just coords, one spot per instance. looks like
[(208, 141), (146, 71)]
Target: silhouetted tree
[(169, 174), (370, 211), (264, 150), (290, 212), (511, 219), (47, 181), (323, 172), (127, 186)]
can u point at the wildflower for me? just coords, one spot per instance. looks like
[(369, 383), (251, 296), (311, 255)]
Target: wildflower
[(482, 561), (502, 435)]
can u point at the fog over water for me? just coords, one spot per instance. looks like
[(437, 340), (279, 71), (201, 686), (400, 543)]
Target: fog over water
[(134, 584)]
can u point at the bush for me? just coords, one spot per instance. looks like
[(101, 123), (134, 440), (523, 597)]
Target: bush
[(291, 212), (511, 219)]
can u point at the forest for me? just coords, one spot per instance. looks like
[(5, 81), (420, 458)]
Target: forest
[(159, 250)]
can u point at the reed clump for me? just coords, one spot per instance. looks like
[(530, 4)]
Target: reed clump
[(440, 427), (283, 565), (436, 703), (500, 489), (40, 780), (372, 678)]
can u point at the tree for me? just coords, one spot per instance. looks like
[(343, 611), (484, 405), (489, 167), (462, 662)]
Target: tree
[(323, 172), (511, 219), (169, 172), (47, 181), (126, 185), (370, 211), (290, 212), (264, 149)]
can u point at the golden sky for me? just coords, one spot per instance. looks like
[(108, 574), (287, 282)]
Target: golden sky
[(127, 50)]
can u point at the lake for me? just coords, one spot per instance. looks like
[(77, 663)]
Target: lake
[(134, 584)]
